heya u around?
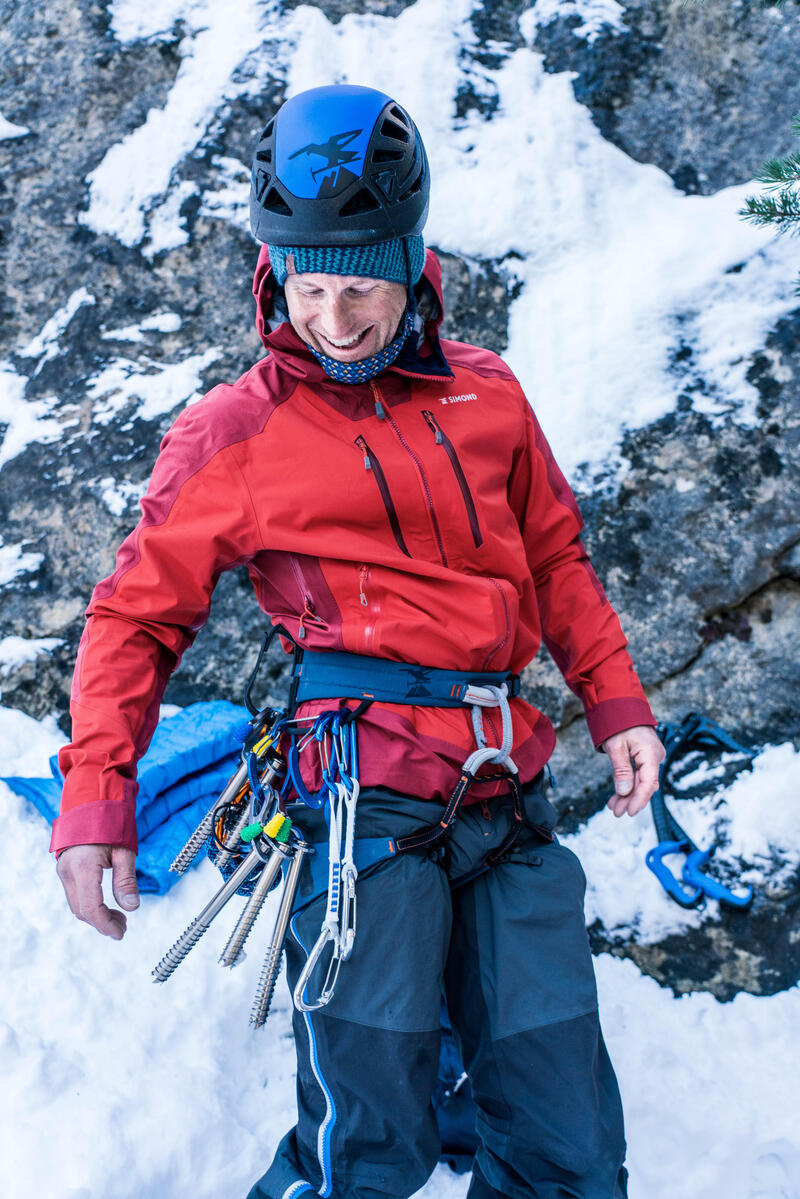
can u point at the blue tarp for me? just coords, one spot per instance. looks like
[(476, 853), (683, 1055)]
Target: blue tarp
[(190, 759)]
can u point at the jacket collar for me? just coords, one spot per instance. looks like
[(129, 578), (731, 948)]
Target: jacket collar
[(419, 357)]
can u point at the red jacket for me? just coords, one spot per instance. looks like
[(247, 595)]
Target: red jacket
[(420, 517)]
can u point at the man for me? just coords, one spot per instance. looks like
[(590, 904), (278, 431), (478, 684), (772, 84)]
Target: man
[(394, 499)]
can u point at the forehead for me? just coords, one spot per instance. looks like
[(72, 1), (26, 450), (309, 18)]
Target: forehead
[(334, 283)]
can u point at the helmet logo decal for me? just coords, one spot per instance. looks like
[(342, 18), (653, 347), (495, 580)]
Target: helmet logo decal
[(336, 156)]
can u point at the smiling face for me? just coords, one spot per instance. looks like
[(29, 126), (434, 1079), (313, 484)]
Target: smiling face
[(347, 317)]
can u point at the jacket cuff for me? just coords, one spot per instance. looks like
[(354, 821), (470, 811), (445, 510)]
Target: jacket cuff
[(103, 822), (612, 716)]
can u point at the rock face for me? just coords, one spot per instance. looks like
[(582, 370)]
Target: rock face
[(698, 546)]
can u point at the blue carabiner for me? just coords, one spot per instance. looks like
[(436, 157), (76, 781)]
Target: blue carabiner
[(672, 885), (293, 773), (694, 874)]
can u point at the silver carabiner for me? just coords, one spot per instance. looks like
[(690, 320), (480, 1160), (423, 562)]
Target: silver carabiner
[(327, 934), (348, 926)]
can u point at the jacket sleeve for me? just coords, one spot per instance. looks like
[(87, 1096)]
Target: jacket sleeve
[(579, 627), (197, 521)]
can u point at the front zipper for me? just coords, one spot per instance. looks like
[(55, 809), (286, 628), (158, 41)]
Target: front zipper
[(420, 471), (444, 441), (507, 633), (373, 606), (372, 463), (308, 616)]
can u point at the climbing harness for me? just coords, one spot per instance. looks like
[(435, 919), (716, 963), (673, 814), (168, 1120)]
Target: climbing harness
[(253, 841), (695, 732)]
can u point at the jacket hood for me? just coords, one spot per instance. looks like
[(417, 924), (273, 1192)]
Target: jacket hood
[(282, 337)]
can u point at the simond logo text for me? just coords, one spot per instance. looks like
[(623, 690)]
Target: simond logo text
[(462, 399)]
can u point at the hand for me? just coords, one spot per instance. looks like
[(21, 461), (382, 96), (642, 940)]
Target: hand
[(80, 869), (635, 756)]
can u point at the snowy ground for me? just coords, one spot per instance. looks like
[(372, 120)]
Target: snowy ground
[(114, 1087)]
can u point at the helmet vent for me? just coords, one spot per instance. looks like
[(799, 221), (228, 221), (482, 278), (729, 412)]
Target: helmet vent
[(416, 187), (362, 201), (398, 112), (267, 130), (264, 155), (388, 155), (275, 202), (393, 130)]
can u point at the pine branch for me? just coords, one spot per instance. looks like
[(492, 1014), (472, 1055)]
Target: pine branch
[(781, 172), (782, 210)]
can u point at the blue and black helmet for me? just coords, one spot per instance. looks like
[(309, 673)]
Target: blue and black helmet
[(339, 166)]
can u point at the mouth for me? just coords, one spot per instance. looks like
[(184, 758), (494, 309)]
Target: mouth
[(345, 344)]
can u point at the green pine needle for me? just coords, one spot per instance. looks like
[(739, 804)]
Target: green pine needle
[(780, 172), (781, 209)]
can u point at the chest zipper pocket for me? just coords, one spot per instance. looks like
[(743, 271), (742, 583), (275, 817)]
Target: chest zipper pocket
[(444, 441), (371, 463)]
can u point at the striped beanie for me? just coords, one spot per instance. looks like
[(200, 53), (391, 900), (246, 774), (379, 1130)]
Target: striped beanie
[(381, 260)]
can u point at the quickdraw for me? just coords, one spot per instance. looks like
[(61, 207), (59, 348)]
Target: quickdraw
[(252, 840), (694, 885), (340, 781)]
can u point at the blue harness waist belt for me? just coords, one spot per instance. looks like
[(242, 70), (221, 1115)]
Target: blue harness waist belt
[(323, 675)]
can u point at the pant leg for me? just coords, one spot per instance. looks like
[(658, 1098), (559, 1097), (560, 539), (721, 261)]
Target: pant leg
[(367, 1063), (522, 999)]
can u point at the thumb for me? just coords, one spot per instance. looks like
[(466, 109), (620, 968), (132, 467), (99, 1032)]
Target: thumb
[(622, 767), (126, 891)]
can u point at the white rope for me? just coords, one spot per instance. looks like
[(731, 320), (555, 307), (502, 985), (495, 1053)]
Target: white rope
[(490, 697)]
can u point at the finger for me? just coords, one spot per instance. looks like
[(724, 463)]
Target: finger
[(620, 759), (646, 782), (125, 887), (82, 876), (106, 920)]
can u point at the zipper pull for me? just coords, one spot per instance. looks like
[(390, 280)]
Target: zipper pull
[(362, 445), (362, 579), (308, 613), (379, 409), (433, 424)]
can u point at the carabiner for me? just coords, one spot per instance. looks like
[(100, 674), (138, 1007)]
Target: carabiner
[(328, 933), (672, 885), (348, 925), (694, 873)]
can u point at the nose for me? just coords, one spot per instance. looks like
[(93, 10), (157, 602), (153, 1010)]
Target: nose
[(338, 315)]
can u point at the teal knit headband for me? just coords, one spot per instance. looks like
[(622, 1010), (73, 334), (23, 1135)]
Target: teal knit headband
[(382, 260)]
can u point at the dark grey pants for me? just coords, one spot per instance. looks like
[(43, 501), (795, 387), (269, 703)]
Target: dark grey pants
[(509, 947)]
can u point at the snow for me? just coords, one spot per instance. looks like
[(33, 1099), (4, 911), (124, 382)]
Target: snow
[(231, 200), (597, 16), (156, 390), (15, 651), (114, 1086), (138, 170), (14, 561), (117, 496), (753, 823), (44, 346), (25, 421), (8, 130), (159, 322)]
